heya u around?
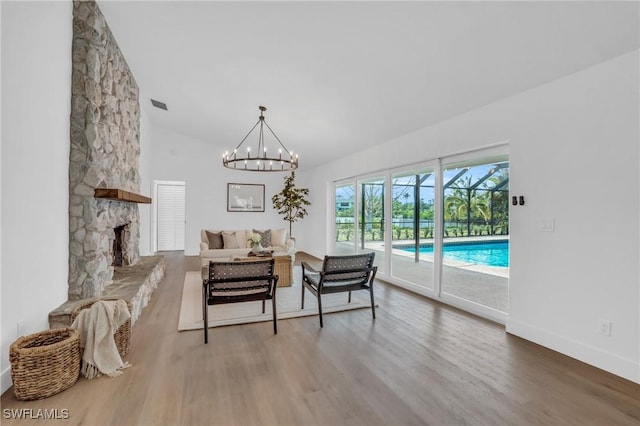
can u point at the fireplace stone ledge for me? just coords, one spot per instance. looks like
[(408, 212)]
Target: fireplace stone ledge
[(134, 283)]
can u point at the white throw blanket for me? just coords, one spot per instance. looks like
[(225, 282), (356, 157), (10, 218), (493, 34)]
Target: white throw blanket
[(97, 325)]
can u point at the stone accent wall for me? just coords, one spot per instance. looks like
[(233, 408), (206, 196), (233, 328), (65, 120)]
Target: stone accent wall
[(105, 151)]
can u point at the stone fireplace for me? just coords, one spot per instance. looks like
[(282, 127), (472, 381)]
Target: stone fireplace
[(105, 150), (104, 178), (91, 260)]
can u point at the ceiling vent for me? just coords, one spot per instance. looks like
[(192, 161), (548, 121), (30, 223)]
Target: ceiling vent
[(159, 104)]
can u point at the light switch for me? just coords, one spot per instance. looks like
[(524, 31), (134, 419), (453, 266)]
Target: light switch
[(546, 225)]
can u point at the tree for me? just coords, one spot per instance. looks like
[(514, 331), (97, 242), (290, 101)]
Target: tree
[(372, 204), (291, 201)]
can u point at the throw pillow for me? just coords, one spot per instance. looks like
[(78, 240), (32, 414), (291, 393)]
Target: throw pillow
[(279, 237), (230, 241), (266, 237), (215, 240), (241, 236)]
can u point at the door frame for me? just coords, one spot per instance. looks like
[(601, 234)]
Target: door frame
[(154, 210)]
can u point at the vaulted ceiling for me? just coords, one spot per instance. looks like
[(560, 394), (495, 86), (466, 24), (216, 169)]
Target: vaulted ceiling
[(338, 77)]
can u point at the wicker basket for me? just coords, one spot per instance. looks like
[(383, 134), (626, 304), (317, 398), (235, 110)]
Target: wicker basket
[(122, 335), (45, 363)]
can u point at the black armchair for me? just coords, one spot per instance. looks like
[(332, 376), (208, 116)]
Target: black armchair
[(340, 274), (233, 282)]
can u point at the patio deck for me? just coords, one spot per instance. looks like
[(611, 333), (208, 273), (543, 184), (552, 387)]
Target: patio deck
[(486, 285)]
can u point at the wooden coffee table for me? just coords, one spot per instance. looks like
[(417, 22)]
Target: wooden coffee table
[(281, 266)]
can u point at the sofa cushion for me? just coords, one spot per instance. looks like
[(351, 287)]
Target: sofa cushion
[(215, 240), (241, 235), (279, 237), (222, 255), (230, 240), (266, 237)]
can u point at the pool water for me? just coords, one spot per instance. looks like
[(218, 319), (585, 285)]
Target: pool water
[(490, 253)]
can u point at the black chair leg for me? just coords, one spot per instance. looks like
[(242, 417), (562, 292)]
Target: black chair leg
[(206, 324), (320, 309), (205, 314), (349, 297), (275, 316), (263, 306), (373, 305), (302, 304)]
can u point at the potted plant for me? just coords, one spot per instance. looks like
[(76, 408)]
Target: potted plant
[(256, 242), (291, 201)]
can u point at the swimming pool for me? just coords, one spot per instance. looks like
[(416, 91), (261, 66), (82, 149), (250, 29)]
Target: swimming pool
[(490, 253)]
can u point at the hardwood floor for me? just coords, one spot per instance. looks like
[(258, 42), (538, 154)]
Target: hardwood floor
[(419, 362)]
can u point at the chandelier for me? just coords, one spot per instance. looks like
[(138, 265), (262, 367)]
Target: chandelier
[(260, 160)]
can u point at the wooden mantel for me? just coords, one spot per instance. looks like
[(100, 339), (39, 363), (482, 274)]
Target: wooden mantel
[(121, 195)]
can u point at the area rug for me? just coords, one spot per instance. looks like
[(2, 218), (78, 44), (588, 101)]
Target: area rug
[(287, 299)]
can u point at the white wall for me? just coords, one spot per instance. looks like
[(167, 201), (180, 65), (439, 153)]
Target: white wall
[(177, 157), (36, 98), (146, 137), (574, 155)]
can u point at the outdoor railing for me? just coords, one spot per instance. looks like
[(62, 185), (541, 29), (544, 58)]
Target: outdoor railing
[(405, 230)]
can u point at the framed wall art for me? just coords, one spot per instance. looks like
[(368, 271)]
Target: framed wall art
[(245, 197)]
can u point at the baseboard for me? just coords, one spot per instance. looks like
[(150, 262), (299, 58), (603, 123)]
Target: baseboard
[(5, 380), (612, 363)]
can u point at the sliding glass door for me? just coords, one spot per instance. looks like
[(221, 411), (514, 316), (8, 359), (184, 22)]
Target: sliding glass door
[(475, 248), (412, 226), (371, 219), (345, 224), (440, 228), (360, 218)]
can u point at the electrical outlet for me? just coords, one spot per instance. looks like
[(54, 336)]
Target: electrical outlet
[(605, 327)]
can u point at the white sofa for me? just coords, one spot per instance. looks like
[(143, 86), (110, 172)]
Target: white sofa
[(238, 245)]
